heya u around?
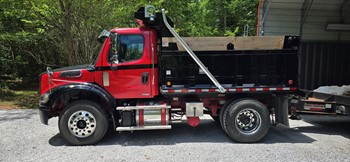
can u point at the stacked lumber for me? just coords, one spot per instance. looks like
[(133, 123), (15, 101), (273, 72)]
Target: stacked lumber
[(220, 43)]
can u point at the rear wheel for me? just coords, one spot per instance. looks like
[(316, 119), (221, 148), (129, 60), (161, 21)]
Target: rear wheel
[(83, 123), (246, 121), (224, 109)]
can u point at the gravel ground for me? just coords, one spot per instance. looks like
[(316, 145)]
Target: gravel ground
[(315, 138)]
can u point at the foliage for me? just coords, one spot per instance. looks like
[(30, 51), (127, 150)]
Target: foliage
[(230, 16), (24, 47), (39, 33)]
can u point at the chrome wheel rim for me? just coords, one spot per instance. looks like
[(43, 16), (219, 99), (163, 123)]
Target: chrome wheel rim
[(82, 124), (248, 121)]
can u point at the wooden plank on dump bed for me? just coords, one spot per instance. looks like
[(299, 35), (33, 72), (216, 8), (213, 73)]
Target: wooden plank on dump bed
[(220, 43)]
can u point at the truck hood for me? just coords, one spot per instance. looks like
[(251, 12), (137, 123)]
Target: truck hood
[(67, 75), (76, 67)]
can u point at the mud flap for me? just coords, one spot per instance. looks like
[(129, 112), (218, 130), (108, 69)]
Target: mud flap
[(44, 117), (281, 109)]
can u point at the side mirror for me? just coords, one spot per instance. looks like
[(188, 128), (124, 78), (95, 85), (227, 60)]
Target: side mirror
[(115, 46)]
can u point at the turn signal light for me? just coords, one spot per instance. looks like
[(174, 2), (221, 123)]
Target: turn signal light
[(168, 84)]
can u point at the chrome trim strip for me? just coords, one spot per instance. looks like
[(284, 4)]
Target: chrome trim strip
[(143, 128), (143, 107)]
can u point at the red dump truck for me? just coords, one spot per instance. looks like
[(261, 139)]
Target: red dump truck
[(138, 82)]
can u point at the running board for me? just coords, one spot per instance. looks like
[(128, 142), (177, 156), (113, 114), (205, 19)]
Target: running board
[(134, 128), (152, 107)]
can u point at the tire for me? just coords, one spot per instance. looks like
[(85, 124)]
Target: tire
[(83, 123), (246, 121), (223, 110)]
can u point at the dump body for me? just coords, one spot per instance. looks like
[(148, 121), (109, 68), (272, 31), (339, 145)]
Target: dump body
[(240, 68)]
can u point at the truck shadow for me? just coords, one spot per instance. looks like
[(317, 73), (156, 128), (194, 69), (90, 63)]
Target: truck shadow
[(207, 131), (326, 124)]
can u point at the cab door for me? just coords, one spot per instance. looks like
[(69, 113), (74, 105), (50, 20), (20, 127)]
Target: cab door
[(131, 66)]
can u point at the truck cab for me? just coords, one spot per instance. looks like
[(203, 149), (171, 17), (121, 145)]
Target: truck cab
[(129, 64), (126, 67)]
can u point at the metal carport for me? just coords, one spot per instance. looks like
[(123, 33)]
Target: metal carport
[(324, 28)]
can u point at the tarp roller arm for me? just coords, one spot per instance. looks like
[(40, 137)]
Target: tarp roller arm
[(190, 52)]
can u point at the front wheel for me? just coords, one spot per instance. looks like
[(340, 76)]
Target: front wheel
[(83, 123), (246, 121)]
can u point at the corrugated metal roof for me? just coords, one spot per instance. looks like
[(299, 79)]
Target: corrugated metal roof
[(307, 18)]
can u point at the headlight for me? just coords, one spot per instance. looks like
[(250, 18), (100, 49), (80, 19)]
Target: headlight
[(44, 98)]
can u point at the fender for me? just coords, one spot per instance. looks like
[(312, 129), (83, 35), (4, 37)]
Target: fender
[(87, 89)]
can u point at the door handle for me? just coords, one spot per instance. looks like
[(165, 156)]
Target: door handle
[(145, 78)]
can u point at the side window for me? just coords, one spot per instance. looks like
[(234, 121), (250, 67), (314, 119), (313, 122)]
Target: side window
[(130, 48)]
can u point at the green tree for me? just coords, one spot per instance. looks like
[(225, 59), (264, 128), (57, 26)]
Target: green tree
[(243, 13), (230, 16), (39, 33), (21, 40), (75, 25)]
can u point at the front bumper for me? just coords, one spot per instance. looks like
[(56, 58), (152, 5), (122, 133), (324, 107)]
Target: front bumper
[(44, 115)]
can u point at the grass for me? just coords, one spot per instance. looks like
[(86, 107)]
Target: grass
[(19, 96), (18, 99)]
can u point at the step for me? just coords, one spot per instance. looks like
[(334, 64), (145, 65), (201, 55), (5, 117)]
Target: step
[(151, 107), (133, 128)]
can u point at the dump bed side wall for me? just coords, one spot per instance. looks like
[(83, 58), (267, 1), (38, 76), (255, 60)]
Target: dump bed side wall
[(234, 68)]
